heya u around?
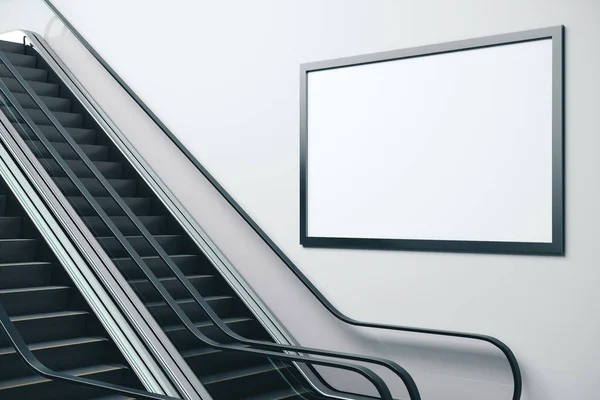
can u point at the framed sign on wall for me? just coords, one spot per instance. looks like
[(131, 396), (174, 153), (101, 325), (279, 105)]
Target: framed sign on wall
[(449, 147)]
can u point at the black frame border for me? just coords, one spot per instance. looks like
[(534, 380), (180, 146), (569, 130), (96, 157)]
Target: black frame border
[(556, 247)]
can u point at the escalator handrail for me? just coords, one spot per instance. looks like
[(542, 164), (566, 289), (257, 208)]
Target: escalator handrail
[(27, 356), (504, 348), (379, 384), (213, 316)]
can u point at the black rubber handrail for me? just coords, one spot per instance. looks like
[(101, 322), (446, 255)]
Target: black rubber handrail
[(198, 298), (508, 353), (188, 324), (26, 355)]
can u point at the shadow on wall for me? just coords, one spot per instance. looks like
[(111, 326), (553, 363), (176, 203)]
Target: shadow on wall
[(443, 367)]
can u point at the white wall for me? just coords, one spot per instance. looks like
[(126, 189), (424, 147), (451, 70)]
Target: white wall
[(224, 77), (24, 14)]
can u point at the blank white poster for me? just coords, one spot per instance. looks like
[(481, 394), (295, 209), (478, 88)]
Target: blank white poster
[(454, 146)]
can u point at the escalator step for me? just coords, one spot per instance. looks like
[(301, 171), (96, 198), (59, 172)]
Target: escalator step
[(41, 299), (224, 306), (67, 119), (31, 74), (139, 205), (35, 273), (53, 103), (93, 151), (6, 351), (43, 327), (154, 223), (80, 135), (54, 390), (40, 88), (124, 187), (209, 351), (243, 383), (109, 169), (205, 324), (92, 372), (209, 361), (21, 60), (204, 284), (285, 394), (187, 263), (184, 340), (10, 227), (170, 243), (17, 250), (237, 374), (12, 47), (59, 356)]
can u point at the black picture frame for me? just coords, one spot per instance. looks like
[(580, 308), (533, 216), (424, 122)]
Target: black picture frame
[(556, 247)]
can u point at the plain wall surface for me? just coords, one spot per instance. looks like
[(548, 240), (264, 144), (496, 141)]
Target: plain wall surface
[(224, 77), (24, 14)]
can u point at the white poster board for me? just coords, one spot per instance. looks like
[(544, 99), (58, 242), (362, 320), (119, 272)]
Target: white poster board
[(451, 147)]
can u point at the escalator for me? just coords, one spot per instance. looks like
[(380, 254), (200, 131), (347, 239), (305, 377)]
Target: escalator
[(144, 241), (51, 316)]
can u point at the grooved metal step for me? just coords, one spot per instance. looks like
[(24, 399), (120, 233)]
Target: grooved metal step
[(40, 88), (53, 103), (30, 74)]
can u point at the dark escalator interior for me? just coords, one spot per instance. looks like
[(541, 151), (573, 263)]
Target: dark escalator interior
[(225, 374), (52, 317)]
